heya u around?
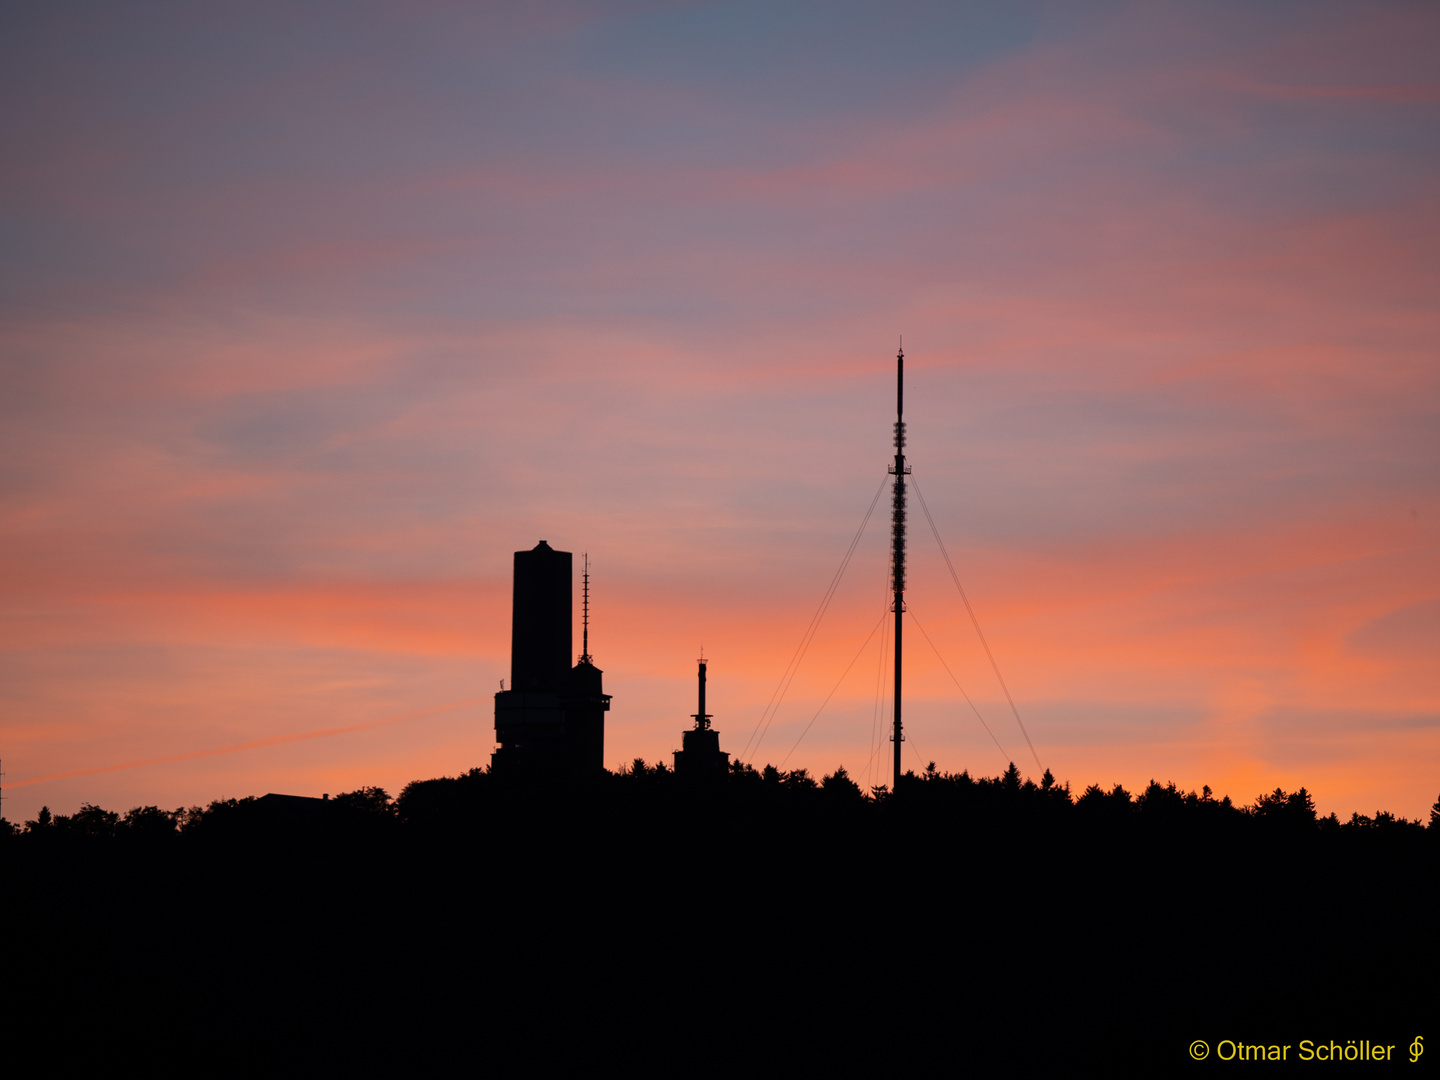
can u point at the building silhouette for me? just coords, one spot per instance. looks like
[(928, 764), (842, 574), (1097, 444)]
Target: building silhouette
[(701, 754), (552, 719)]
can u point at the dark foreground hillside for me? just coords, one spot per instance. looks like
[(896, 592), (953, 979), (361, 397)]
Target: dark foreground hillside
[(762, 922)]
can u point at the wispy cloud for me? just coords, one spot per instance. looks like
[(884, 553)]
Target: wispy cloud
[(305, 332), (253, 744)]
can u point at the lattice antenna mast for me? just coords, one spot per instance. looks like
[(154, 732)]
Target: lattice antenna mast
[(897, 545), (585, 614)]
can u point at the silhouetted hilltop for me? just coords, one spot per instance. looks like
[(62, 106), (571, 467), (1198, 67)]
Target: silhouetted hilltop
[(758, 915), (931, 798)]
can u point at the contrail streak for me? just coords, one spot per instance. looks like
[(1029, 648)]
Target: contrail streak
[(255, 744)]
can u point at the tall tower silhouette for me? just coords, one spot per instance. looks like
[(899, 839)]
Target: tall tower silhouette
[(552, 719), (897, 545), (540, 615), (701, 754)]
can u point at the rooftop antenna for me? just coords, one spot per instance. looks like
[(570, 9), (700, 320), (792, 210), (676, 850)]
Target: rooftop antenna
[(702, 718), (897, 543), (585, 614)]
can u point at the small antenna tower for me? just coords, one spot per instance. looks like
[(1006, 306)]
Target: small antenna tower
[(585, 614)]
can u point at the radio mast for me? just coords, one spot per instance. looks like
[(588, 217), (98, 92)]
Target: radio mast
[(897, 545)]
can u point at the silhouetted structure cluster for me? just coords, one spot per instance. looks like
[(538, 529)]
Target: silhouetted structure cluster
[(546, 908)]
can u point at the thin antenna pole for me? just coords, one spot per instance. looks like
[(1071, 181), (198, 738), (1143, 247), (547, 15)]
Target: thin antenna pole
[(585, 614), (897, 546), (702, 718)]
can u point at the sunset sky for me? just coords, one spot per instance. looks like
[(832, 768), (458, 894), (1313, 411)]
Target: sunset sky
[(311, 315)]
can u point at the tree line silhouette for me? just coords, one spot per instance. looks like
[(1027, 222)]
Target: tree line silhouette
[(764, 916), (1007, 798)]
